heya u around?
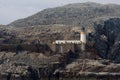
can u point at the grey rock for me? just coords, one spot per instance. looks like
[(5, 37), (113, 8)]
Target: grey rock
[(107, 37), (116, 50)]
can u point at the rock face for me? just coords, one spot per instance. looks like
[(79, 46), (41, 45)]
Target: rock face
[(107, 37), (116, 50)]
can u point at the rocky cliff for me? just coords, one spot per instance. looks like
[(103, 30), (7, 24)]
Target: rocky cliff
[(107, 37)]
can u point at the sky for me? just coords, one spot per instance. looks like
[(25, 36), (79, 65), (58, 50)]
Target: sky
[(11, 10)]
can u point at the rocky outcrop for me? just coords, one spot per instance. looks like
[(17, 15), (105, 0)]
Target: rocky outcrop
[(107, 38), (26, 65), (116, 50)]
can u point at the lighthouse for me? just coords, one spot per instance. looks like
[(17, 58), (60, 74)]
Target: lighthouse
[(83, 38)]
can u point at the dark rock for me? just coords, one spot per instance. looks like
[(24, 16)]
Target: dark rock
[(33, 74), (116, 50), (107, 37)]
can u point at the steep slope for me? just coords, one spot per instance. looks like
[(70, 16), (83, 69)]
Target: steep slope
[(83, 14), (107, 37)]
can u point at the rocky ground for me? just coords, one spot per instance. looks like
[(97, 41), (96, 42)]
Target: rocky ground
[(106, 37), (30, 64), (87, 65), (44, 33)]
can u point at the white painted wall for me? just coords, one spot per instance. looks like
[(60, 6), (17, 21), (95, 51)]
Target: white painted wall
[(83, 38), (67, 42)]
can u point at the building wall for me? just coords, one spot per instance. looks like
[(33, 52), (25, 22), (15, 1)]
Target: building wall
[(62, 48)]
